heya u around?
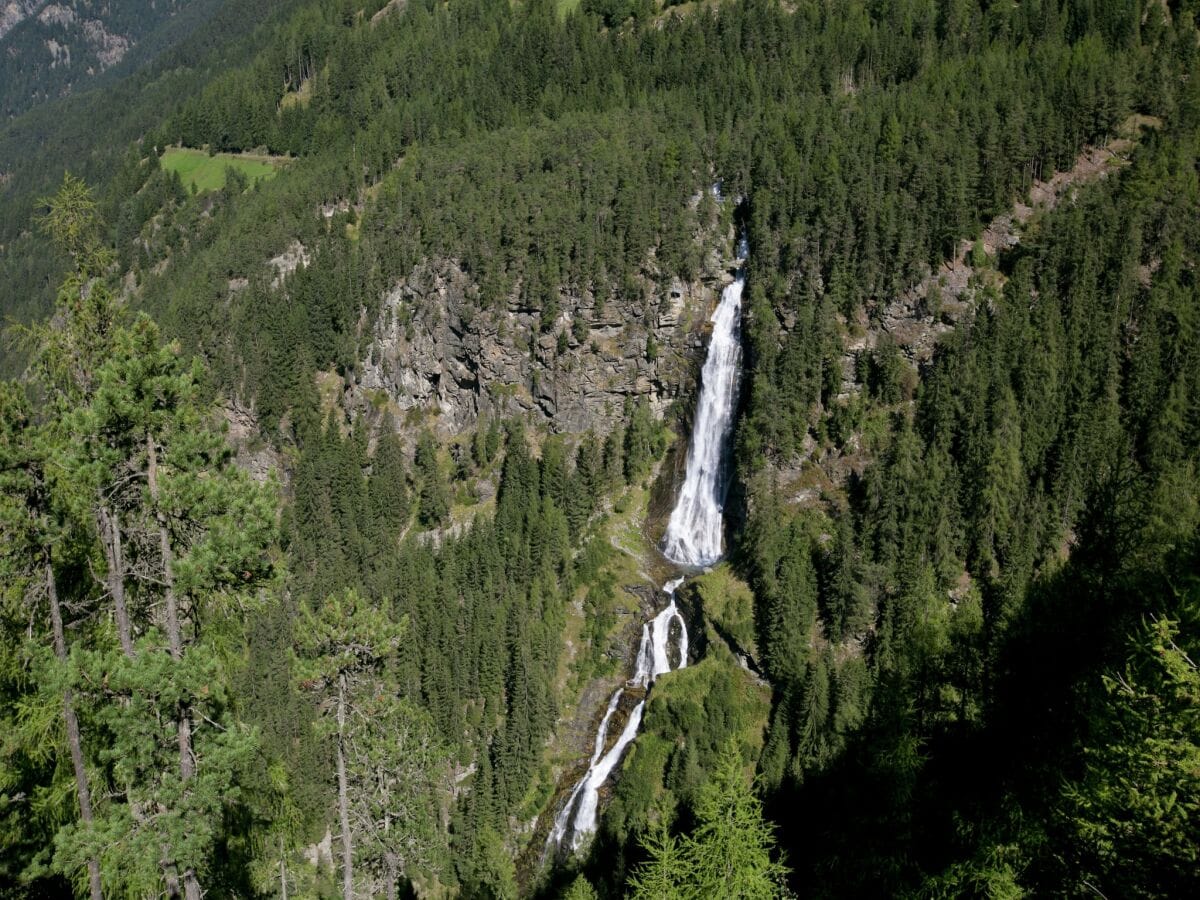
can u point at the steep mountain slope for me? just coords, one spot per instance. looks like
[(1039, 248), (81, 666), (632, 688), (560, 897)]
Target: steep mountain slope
[(89, 134), (50, 49), (461, 330)]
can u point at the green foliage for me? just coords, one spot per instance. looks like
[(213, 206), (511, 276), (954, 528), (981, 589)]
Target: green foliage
[(491, 876), (1022, 514), (710, 704), (484, 676), (141, 753), (392, 768), (644, 440), (147, 495), (665, 871), (1136, 809), (729, 853), (434, 500), (728, 606), (580, 889), (917, 638)]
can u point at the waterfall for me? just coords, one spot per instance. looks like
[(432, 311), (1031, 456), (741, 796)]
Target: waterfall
[(563, 821), (693, 536), (577, 818)]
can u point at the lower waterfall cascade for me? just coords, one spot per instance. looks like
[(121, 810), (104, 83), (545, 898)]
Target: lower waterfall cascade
[(694, 538), (577, 818)]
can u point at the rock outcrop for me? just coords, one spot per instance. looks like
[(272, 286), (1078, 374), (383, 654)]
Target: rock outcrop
[(251, 452), (53, 48), (917, 317), (440, 353), (14, 12)]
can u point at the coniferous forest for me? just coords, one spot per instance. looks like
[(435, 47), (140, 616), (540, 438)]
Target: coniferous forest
[(331, 498)]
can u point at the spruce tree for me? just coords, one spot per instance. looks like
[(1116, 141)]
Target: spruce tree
[(434, 504), (729, 854)]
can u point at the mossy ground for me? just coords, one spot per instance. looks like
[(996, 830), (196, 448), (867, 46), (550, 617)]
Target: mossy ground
[(728, 604)]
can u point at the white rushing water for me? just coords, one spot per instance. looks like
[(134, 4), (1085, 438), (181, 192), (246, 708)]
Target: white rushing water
[(693, 536), (577, 818)]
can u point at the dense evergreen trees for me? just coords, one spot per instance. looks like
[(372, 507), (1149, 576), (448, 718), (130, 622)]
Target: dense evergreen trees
[(1005, 548), (867, 144), (484, 608), (166, 538), (389, 766), (130, 482), (980, 646)]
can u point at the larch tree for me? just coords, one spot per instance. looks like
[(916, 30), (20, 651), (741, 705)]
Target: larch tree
[(664, 873), (34, 532), (188, 545), (729, 854)]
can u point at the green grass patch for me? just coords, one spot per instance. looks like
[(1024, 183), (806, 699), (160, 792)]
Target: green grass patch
[(728, 604), (200, 172), (689, 717)]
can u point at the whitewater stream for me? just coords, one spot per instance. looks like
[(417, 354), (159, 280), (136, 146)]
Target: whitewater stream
[(693, 539), (694, 532)]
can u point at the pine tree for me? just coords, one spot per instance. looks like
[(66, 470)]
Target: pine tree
[(35, 528), (434, 504), (345, 651), (729, 852), (185, 537), (202, 533), (397, 774)]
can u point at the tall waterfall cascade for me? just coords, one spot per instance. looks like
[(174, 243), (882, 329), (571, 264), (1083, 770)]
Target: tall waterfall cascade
[(693, 538), (694, 532)]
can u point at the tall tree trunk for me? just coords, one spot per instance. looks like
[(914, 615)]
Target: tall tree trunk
[(283, 892), (114, 558), (187, 760), (109, 527), (73, 741), (393, 868), (344, 795)]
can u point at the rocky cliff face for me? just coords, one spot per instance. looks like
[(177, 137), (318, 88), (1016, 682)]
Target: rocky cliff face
[(14, 12), (51, 49), (440, 353)]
